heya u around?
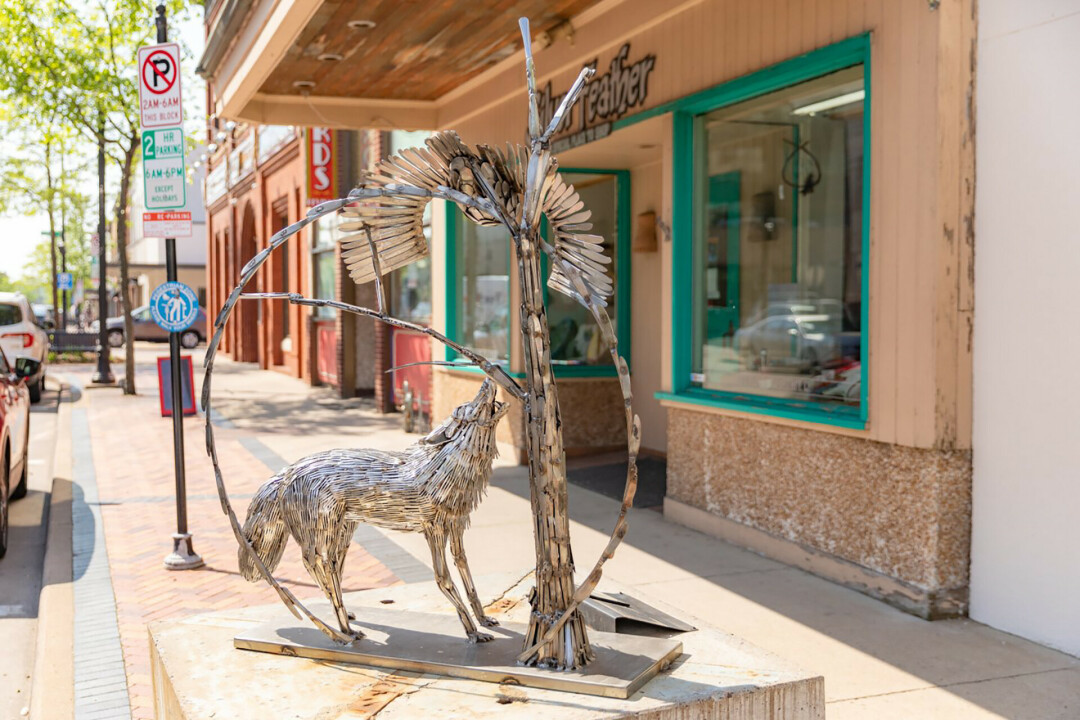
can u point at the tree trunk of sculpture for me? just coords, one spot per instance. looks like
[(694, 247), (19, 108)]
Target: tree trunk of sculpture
[(547, 481)]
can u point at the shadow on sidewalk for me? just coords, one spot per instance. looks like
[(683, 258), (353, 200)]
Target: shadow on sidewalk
[(940, 652)]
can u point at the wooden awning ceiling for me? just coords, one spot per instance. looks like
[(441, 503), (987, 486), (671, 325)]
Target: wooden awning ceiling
[(415, 51), (402, 54)]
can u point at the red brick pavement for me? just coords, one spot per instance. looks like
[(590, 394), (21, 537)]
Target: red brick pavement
[(133, 459)]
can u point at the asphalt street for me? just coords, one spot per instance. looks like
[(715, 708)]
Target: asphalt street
[(21, 568)]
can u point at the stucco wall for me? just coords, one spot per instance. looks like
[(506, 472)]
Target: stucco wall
[(900, 511), (1025, 563), (592, 413)]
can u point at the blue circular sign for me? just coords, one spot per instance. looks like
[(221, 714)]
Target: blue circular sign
[(174, 306)]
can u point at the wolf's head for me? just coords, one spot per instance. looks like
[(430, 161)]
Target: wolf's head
[(472, 424)]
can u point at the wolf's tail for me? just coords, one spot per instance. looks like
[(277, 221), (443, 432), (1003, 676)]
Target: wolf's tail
[(265, 530)]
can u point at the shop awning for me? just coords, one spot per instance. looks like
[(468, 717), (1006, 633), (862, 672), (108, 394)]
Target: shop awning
[(343, 63)]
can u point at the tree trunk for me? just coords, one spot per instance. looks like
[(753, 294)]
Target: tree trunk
[(547, 481), (52, 231), (121, 253)]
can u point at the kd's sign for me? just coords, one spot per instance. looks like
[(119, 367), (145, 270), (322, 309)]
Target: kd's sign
[(321, 166)]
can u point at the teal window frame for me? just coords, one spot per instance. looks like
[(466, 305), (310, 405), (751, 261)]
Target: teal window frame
[(623, 268), (844, 54)]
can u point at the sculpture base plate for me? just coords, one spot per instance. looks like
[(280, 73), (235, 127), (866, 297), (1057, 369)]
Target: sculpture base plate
[(435, 643)]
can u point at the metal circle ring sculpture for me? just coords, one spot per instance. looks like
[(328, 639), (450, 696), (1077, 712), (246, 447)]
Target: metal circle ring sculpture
[(513, 188)]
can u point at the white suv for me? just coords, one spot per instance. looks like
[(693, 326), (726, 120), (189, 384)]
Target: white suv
[(20, 336)]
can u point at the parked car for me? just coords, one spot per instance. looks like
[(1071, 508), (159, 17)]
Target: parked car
[(799, 342), (44, 316), (22, 337), (14, 434), (147, 329)]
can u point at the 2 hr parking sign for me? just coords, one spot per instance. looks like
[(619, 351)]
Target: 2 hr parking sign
[(163, 169)]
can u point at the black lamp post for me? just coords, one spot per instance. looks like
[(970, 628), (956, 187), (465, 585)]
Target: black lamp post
[(62, 247), (103, 375)]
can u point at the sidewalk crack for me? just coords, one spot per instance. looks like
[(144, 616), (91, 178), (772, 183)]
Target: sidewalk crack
[(959, 683)]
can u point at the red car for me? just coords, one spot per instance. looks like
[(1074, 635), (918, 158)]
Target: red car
[(14, 434)]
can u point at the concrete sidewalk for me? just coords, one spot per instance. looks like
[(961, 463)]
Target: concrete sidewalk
[(124, 514), (877, 661)]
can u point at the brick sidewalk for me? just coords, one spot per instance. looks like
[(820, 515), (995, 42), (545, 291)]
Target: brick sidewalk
[(133, 459)]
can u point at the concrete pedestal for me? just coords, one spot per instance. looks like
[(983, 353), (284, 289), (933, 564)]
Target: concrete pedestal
[(199, 674)]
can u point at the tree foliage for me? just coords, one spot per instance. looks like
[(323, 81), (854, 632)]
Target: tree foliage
[(72, 64)]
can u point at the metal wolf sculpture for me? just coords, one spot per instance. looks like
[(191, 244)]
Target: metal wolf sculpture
[(516, 188), (430, 488)]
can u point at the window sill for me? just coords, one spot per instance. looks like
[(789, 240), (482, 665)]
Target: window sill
[(750, 405)]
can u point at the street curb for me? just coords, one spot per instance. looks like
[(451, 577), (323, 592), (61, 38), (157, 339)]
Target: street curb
[(52, 693)]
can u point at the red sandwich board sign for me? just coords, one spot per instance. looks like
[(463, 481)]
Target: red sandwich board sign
[(159, 86)]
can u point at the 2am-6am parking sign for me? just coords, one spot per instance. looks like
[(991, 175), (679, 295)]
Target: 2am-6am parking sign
[(160, 103)]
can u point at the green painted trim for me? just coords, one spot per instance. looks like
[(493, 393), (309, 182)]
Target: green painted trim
[(846, 53), (450, 302), (682, 265), (804, 412), (824, 60), (864, 308)]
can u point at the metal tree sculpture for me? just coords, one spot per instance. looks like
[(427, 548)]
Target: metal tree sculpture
[(513, 188)]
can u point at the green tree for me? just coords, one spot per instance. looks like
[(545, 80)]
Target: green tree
[(73, 63), (34, 179)]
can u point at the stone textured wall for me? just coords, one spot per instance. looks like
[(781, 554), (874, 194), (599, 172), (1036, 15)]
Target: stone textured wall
[(592, 410), (901, 511)]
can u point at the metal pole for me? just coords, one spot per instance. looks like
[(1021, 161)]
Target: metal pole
[(183, 556), (64, 293), (63, 244), (103, 375)]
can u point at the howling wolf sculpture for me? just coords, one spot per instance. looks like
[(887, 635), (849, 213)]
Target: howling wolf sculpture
[(431, 488)]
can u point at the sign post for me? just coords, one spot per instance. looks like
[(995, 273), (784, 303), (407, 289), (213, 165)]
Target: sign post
[(161, 116)]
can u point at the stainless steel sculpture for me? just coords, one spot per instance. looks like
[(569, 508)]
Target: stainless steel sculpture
[(431, 487), (514, 188)]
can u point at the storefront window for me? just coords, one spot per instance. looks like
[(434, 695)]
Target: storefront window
[(325, 238), (410, 286), (575, 338), (482, 280), (778, 246)]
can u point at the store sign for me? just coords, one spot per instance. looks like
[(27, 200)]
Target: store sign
[(272, 138), (216, 184), (321, 166), (606, 98)]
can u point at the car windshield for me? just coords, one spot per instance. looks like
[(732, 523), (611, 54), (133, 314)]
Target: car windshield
[(10, 314)]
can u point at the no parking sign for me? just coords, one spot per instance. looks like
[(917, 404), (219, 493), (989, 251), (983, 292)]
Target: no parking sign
[(159, 86), (174, 306)]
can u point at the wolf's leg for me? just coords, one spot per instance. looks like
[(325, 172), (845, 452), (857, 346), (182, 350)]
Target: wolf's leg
[(437, 542), (326, 564), (457, 549)]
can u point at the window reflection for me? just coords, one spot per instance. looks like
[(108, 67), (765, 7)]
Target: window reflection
[(575, 337), (483, 280), (778, 243)]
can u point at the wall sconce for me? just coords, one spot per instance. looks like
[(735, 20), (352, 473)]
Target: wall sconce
[(645, 232)]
